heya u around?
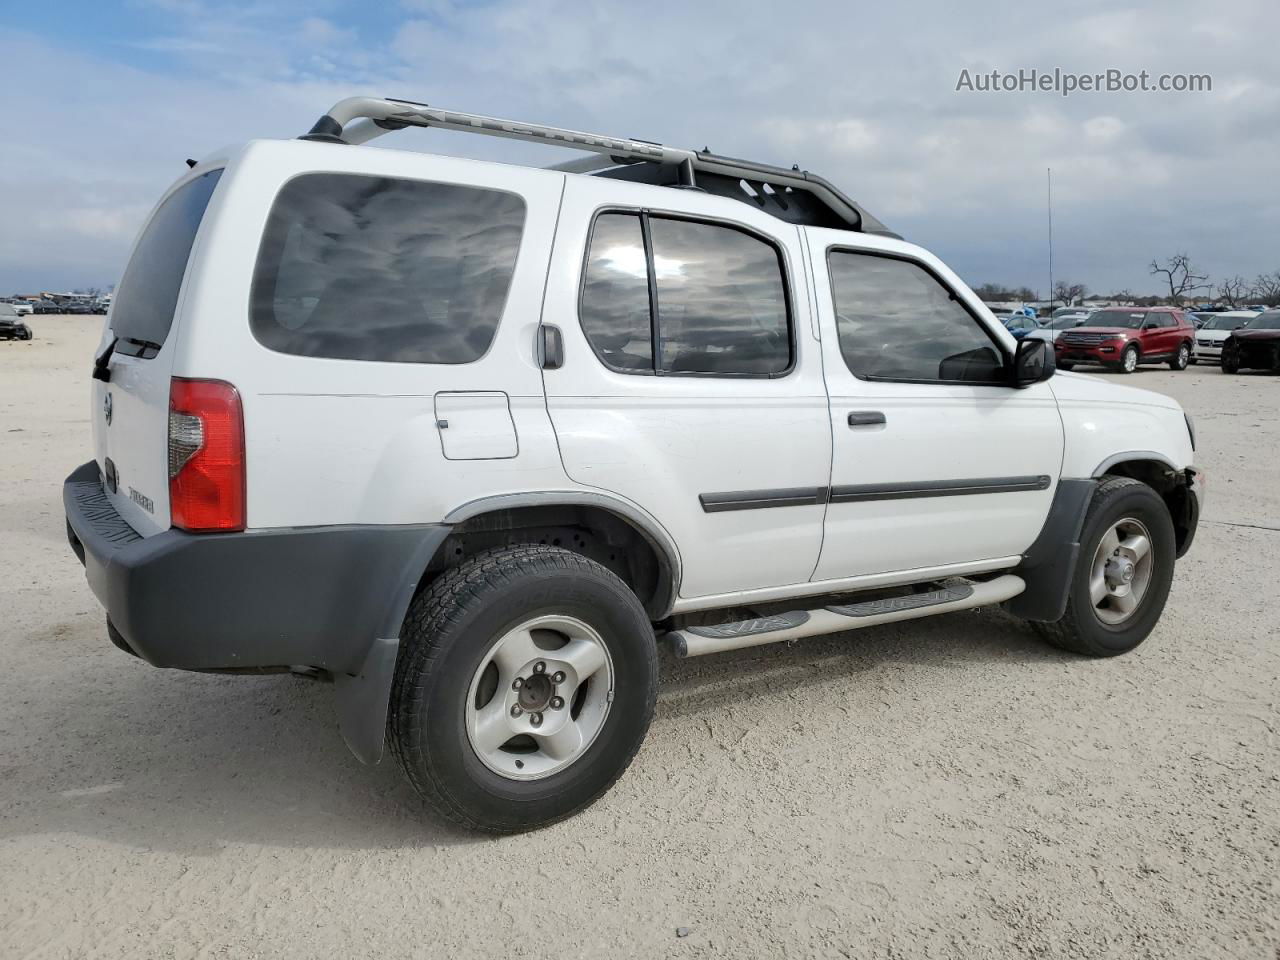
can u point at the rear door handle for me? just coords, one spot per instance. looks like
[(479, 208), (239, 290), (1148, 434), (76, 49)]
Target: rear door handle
[(866, 418)]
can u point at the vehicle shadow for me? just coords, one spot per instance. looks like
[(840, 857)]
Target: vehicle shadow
[(192, 763)]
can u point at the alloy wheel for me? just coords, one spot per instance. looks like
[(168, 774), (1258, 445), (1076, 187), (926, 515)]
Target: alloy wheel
[(540, 697), (1122, 567)]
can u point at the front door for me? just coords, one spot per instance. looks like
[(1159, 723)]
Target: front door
[(935, 462), (691, 382)]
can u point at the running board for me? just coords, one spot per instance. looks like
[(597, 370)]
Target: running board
[(797, 624)]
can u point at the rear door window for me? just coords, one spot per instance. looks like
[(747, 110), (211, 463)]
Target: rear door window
[(147, 297), (374, 268), (712, 296)]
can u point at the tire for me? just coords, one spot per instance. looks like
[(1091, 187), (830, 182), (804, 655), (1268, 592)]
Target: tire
[(1230, 366), (1180, 359), (1084, 628), (447, 650), (1066, 365), (1129, 359)]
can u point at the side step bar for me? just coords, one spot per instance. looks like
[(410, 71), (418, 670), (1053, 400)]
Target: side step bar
[(796, 624)]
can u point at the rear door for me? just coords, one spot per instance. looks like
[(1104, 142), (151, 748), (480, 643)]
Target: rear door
[(691, 383), (130, 413)]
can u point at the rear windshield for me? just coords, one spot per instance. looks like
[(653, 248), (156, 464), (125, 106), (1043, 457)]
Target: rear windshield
[(147, 297), (373, 268)]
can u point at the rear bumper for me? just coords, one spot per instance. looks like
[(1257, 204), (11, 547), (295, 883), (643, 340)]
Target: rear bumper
[(315, 596)]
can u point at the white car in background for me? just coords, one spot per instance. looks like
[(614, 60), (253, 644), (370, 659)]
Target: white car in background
[(21, 307), (1066, 321), (1211, 336)]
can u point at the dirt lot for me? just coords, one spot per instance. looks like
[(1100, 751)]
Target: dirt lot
[(949, 788)]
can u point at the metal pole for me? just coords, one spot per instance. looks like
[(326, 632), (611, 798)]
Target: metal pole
[(1049, 171)]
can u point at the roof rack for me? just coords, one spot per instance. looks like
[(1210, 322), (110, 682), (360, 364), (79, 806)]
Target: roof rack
[(794, 195)]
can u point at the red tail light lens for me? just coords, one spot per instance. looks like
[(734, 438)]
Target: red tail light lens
[(206, 456)]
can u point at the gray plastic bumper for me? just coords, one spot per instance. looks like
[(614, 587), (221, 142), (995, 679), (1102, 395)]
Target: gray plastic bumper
[(326, 597)]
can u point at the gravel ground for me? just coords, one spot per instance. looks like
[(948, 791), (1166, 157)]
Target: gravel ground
[(943, 788)]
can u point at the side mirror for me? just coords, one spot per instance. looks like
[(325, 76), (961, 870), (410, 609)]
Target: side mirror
[(1033, 362)]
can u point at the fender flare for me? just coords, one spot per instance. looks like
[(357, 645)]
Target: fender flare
[(1050, 562), (645, 523), (364, 697), (1127, 455)]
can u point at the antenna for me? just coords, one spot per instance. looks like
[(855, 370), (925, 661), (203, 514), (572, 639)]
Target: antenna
[(1049, 171)]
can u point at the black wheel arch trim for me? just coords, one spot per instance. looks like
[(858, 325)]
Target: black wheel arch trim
[(1049, 563), (1128, 455), (648, 526)]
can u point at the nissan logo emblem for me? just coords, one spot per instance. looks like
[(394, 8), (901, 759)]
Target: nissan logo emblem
[(106, 407)]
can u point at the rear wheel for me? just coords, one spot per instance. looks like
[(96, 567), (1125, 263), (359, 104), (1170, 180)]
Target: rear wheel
[(1123, 572), (525, 684), (1129, 359), (1180, 359)]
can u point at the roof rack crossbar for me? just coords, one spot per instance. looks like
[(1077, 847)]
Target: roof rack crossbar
[(360, 119)]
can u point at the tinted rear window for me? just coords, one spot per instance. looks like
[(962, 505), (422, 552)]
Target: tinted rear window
[(147, 297), (373, 268)]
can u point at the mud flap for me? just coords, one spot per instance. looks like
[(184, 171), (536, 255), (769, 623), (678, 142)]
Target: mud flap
[(362, 701)]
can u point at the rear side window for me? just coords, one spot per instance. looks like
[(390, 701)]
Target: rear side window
[(374, 268), (722, 305), (712, 297), (144, 303), (615, 294)]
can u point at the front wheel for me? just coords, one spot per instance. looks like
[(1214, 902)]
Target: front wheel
[(1065, 365), (525, 683), (1129, 359), (1180, 359), (1123, 572), (1230, 364)]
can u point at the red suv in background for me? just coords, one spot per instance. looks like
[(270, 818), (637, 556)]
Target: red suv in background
[(1123, 337)]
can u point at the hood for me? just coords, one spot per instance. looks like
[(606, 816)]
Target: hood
[(1071, 387), (1247, 334), (1111, 331)]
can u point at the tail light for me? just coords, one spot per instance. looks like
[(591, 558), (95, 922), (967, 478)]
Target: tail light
[(206, 456)]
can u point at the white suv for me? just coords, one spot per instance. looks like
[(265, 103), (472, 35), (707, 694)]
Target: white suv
[(470, 439)]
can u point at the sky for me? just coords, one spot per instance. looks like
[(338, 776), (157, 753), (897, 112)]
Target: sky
[(104, 101)]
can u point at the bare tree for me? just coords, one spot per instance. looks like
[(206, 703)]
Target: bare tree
[(1266, 289), (1234, 290), (1181, 277), (998, 292), (1069, 293)]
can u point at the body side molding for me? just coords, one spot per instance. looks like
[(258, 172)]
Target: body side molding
[(854, 493), (762, 499)]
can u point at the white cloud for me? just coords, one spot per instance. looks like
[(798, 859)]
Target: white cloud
[(1103, 129), (863, 95)]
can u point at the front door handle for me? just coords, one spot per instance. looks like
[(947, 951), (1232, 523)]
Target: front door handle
[(866, 418)]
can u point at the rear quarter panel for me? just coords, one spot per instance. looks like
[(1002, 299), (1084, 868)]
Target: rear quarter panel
[(340, 441)]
